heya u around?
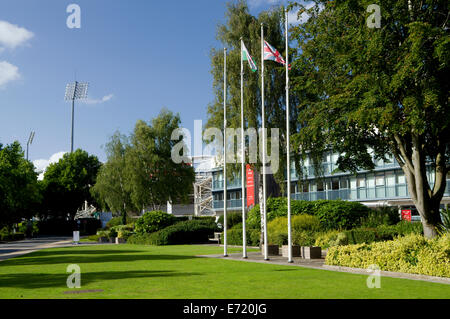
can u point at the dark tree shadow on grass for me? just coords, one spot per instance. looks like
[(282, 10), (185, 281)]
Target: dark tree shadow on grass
[(39, 280), (83, 259)]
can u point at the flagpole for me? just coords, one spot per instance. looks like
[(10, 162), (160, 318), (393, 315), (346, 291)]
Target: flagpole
[(288, 146), (225, 152), (244, 235), (266, 251)]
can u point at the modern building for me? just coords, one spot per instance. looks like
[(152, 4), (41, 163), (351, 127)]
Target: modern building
[(383, 186)]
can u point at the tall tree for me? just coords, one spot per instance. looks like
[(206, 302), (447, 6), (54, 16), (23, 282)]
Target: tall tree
[(111, 185), (153, 178), (384, 89), (66, 184), (240, 23), (19, 190)]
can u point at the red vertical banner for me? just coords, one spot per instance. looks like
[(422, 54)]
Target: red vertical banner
[(406, 214), (250, 186)]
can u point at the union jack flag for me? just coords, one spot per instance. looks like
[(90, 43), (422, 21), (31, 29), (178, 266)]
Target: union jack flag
[(270, 53)]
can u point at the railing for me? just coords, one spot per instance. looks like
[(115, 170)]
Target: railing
[(231, 203), (218, 185)]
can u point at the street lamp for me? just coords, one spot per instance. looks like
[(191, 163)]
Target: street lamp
[(75, 91), (30, 141)]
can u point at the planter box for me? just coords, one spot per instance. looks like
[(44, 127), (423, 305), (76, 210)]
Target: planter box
[(120, 240), (295, 251), (272, 250), (311, 252), (103, 240)]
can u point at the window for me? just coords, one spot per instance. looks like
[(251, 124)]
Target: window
[(390, 179), (379, 180), (353, 182), (401, 177), (293, 188), (361, 181), (335, 183), (305, 187), (370, 180), (344, 183), (320, 187)]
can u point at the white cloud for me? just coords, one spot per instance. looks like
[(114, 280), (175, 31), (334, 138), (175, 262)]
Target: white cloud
[(8, 73), (42, 164), (12, 35), (104, 99)]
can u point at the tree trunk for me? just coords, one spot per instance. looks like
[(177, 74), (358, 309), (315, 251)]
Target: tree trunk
[(411, 157)]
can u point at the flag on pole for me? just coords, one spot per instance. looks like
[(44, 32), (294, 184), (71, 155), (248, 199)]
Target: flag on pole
[(247, 57), (270, 53)]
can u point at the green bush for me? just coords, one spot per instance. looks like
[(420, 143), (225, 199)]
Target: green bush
[(187, 232), (332, 214), (153, 221), (303, 229), (330, 238), (103, 233), (382, 216), (233, 218), (339, 214), (303, 238), (93, 238), (410, 254), (116, 221), (234, 235)]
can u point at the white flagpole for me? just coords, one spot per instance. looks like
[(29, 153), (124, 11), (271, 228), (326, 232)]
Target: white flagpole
[(244, 235), (288, 147), (266, 248), (225, 152)]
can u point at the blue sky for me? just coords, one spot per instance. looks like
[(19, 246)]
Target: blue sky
[(138, 57)]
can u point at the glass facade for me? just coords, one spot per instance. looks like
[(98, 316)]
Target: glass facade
[(386, 182)]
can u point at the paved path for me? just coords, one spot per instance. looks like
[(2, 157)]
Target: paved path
[(320, 264), (22, 247)]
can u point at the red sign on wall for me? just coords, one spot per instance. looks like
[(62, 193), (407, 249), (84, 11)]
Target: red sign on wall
[(406, 214), (250, 186)]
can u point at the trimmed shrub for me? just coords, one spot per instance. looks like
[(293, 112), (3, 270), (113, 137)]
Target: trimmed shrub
[(116, 221), (330, 238), (410, 254), (234, 235), (303, 229), (153, 221), (187, 232), (303, 238), (340, 214), (382, 216), (332, 214), (233, 218)]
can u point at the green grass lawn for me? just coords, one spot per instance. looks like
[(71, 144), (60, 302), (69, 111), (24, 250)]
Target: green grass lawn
[(134, 271)]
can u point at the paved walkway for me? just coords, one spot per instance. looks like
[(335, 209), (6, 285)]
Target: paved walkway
[(22, 247), (320, 264)]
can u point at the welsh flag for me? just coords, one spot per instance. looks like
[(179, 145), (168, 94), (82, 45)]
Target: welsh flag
[(270, 53), (247, 57)]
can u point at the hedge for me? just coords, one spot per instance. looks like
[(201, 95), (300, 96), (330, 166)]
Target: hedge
[(234, 235), (153, 221), (186, 232), (333, 214), (410, 254)]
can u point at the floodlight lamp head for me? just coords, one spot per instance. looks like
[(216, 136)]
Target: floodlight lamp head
[(76, 91)]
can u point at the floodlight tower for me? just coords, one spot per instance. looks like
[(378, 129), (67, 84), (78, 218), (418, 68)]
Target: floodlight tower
[(75, 91), (30, 141)]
